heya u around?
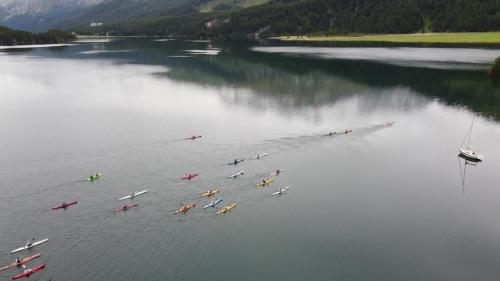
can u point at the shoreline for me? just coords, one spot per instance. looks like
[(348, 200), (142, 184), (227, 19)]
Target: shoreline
[(432, 38)]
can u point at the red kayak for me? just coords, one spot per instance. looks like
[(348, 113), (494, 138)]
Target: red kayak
[(64, 205), (189, 176), (126, 207), (29, 272)]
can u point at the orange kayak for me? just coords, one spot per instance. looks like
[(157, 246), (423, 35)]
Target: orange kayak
[(23, 260), (184, 209), (126, 208)]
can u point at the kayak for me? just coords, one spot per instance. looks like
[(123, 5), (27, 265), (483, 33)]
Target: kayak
[(277, 172), (28, 272), (330, 134), (64, 205), (235, 175), (186, 208), (193, 137), (281, 190), (210, 193), (226, 209), (236, 162), (189, 176), (128, 207), (258, 156), (213, 203), (32, 245), (94, 177), (137, 193), (265, 182), (23, 260), (347, 131), (389, 123)]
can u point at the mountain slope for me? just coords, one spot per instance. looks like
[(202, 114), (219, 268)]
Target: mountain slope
[(37, 15), (281, 17)]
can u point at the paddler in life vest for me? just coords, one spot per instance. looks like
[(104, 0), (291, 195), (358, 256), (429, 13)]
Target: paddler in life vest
[(18, 260), (25, 268), (264, 182), (132, 195), (235, 161), (124, 206), (278, 171)]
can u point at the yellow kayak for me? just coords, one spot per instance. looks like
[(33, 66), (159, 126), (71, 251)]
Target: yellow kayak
[(265, 182), (210, 193), (226, 209)]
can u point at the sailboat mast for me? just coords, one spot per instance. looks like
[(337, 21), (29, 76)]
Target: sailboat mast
[(470, 132)]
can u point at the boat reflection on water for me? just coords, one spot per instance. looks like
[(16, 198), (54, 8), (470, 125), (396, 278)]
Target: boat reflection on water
[(463, 163)]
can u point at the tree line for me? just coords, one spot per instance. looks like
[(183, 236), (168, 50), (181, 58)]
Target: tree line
[(18, 37), (287, 17)]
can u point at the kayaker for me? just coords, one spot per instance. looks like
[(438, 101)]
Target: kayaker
[(124, 206), (132, 195), (264, 182), (30, 243), (235, 161), (18, 260), (25, 269), (278, 171)]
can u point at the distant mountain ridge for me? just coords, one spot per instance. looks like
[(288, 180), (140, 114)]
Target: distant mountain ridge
[(40, 15)]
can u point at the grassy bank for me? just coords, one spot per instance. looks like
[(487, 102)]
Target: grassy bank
[(450, 38)]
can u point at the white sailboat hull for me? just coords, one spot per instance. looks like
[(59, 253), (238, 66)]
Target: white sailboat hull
[(470, 154)]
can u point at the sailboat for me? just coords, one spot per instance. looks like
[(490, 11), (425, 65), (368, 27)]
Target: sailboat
[(467, 152)]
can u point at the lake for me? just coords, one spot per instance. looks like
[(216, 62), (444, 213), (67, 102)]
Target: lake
[(380, 203)]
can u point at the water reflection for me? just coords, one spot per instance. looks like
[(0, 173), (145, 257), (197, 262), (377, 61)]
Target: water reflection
[(463, 165), (307, 81), (446, 58)]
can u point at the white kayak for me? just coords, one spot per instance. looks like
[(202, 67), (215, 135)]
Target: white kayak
[(235, 175), (32, 245), (281, 190), (258, 156), (213, 203), (137, 193)]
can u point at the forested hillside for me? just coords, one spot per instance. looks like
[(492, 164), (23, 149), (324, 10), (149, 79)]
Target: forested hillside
[(281, 17), (17, 37), (40, 15)]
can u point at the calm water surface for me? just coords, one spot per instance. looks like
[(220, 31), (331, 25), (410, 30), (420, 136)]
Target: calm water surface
[(381, 203)]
